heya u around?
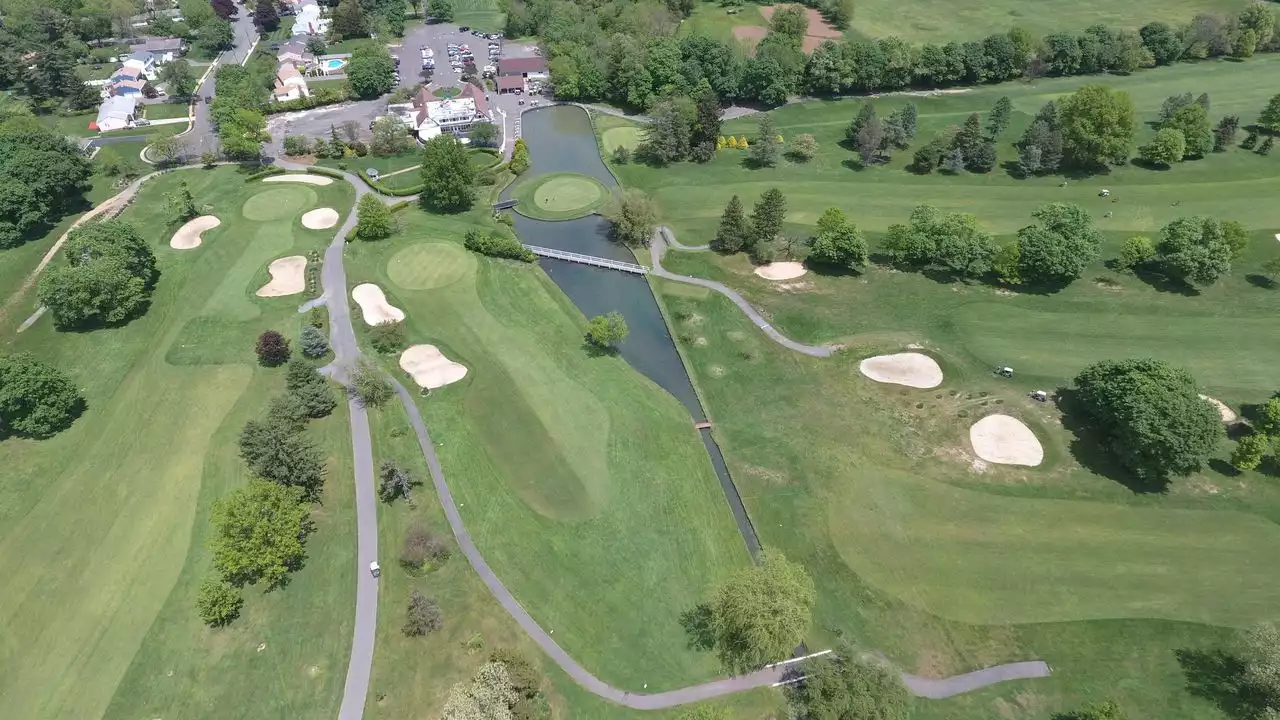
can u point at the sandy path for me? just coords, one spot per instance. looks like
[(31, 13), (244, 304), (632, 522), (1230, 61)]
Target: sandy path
[(911, 369), (288, 277), (1005, 440), (1228, 415), (300, 178), (188, 236), (374, 306), (320, 219), (430, 368), (781, 270)]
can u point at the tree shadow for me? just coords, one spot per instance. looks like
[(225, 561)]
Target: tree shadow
[(826, 270), (1224, 468), (1146, 165), (1218, 676), (1260, 281), (853, 164), (594, 351), (1089, 447), (697, 626), (1163, 283)]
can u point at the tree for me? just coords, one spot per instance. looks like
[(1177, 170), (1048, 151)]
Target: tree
[(666, 137), (178, 78), (1193, 122), (1236, 236), (849, 688), (218, 603), (606, 331), (1194, 250), (448, 177), (961, 246), (519, 162), (803, 147), (954, 161), (761, 613), (767, 216), (349, 20), (621, 155), (1150, 416), (484, 134), (42, 174), (259, 533), (1057, 249), (242, 134), (166, 148), (489, 695), (305, 383), (733, 232), (421, 545), (316, 45), (764, 152), (369, 386), (999, 118), (374, 219), (838, 242), (441, 10), (395, 481), (282, 454), (706, 126), (313, 342), (983, 158), (266, 16), (36, 400), (1265, 148), (387, 337), (1135, 252), (272, 349), (370, 70), (1249, 451), (422, 616), (181, 203), (866, 116), (1097, 126), (1166, 148), (107, 277), (1173, 104), (224, 9), (389, 137), (634, 217), (1270, 117), (1269, 418), (1040, 148), (1162, 41), (216, 35)]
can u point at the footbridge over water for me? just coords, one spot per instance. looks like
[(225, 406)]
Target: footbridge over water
[(588, 260)]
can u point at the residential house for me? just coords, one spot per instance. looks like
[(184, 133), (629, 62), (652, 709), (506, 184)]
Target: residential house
[(126, 80), (290, 84), (296, 53), (307, 20), (166, 49), (144, 61), (527, 67), (115, 113)]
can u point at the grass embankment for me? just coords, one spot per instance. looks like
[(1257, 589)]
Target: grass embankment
[(103, 527), (570, 470)]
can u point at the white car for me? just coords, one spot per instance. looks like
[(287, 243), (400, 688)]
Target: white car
[(374, 570)]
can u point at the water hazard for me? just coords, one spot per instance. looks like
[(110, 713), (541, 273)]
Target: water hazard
[(561, 139)]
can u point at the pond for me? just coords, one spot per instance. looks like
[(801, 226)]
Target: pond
[(561, 139)]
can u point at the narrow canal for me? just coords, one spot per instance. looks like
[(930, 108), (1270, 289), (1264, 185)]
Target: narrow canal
[(561, 139)]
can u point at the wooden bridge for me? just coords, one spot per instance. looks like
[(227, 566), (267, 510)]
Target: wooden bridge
[(588, 260)]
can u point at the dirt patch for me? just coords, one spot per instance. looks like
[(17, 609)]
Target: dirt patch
[(1005, 440), (188, 236), (1228, 415), (911, 369), (781, 271), (374, 306), (430, 368), (750, 36), (320, 219), (288, 277), (819, 29), (300, 178)]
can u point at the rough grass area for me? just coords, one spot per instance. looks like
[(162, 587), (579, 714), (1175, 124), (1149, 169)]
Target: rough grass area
[(628, 137), (483, 15), (570, 470), (167, 110), (104, 525), (559, 196)]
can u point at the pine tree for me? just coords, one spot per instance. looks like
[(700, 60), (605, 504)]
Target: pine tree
[(733, 232), (767, 217), (764, 153), (998, 120)]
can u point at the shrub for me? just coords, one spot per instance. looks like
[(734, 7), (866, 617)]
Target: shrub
[(272, 349), (369, 386), (387, 337), (1136, 251), (497, 245), (1249, 451), (396, 482), (218, 603), (296, 145), (422, 616), (604, 331), (421, 545), (313, 342), (621, 155)]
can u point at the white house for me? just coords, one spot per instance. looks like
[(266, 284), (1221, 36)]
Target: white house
[(115, 113), (290, 84), (307, 19), (164, 50), (431, 117), (144, 61)]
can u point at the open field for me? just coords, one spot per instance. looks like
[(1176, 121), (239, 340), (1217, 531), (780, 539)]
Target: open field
[(102, 528), (483, 15), (166, 110), (570, 470)]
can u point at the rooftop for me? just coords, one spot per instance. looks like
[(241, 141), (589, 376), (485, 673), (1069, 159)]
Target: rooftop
[(508, 66)]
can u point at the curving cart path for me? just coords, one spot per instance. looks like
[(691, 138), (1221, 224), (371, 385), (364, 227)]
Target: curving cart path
[(355, 690)]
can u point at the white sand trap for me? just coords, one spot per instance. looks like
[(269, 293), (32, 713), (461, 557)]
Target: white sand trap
[(430, 368), (373, 304), (320, 219), (911, 369), (288, 277), (1005, 440), (781, 270), (188, 236), (302, 178), (1228, 415)]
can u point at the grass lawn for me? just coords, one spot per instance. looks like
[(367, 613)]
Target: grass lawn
[(483, 15), (383, 165), (104, 525), (711, 18), (559, 196), (76, 125), (166, 110), (102, 71), (570, 470), (336, 83)]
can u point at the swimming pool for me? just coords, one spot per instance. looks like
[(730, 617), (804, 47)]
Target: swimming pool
[(333, 64)]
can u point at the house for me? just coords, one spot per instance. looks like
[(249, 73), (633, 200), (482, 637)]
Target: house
[(127, 80), (166, 49), (144, 61), (510, 84), (115, 113), (529, 67), (290, 84), (296, 53), (430, 117), (307, 19)]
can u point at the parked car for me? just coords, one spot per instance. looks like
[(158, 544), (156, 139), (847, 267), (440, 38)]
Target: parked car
[(464, 28), (372, 173)]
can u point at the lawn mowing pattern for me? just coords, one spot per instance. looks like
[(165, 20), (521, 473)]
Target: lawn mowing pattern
[(426, 266), (627, 136), (559, 196), (574, 470), (103, 526)]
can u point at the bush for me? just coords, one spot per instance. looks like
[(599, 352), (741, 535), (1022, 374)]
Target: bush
[(309, 388), (1136, 251), (621, 155), (36, 400), (321, 96), (422, 545), (387, 337), (604, 331), (422, 616), (218, 603), (313, 342), (369, 386), (272, 349), (296, 145), (497, 245)]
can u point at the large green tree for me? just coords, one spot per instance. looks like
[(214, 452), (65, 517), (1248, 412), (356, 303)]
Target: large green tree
[(849, 689), (36, 400), (1058, 248), (1166, 148), (838, 242), (106, 278), (41, 175), (732, 233), (634, 217), (448, 177), (1193, 122), (1270, 117), (283, 454), (1150, 416), (375, 221), (1097, 125), (242, 133), (667, 137), (349, 20), (761, 613), (179, 78), (259, 534), (767, 216), (1194, 250), (371, 71)]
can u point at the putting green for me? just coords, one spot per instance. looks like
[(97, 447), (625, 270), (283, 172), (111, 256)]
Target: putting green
[(560, 196), (278, 203), (627, 137), (431, 265)]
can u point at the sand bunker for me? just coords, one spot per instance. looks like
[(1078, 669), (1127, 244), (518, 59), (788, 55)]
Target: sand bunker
[(429, 367), (288, 277), (781, 270), (911, 369), (188, 236), (300, 178), (1228, 415), (1005, 440), (374, 306), (320, 219)]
